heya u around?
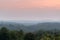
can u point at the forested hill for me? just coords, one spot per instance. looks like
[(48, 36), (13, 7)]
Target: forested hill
[(32, 27)]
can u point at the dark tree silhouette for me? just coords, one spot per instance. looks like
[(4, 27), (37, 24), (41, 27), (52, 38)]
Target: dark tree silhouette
[(4, 34), (29, 36)]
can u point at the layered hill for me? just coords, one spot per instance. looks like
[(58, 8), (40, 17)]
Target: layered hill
[(32, 27)]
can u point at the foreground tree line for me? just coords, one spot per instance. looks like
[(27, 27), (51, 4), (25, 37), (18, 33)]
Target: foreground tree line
[(6, 34)]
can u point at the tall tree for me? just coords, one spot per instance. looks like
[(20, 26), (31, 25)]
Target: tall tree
[(13, 35), (4, 34), (29, 36), (20, 34)]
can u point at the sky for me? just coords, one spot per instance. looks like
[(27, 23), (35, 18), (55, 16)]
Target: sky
[(36, 10)]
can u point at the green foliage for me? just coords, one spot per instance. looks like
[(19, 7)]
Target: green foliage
[(6, 34), (20, 34), (29, 36), (13, 35)]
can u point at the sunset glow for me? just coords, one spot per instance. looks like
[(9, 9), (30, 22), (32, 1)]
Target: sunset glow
[(29, 3), (30, 9)]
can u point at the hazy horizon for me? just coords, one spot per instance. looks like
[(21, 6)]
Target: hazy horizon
[(34, 10)]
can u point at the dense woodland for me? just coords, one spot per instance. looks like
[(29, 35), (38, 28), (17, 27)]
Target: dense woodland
[(6, 34)]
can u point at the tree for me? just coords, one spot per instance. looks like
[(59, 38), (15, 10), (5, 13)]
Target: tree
[(29, 36), (13, 35), (20, 34), (4, 34)]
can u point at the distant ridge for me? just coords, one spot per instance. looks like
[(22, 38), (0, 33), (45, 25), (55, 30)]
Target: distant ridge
[(30, 27)]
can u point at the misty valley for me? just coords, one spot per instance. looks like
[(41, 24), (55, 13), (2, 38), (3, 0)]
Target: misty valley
[(29, 19), (27, 31)]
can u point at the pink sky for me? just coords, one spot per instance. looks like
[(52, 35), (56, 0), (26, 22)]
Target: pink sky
[(30, 10), (29, 3)]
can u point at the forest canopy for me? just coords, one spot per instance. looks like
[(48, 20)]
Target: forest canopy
[(6, 34)]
